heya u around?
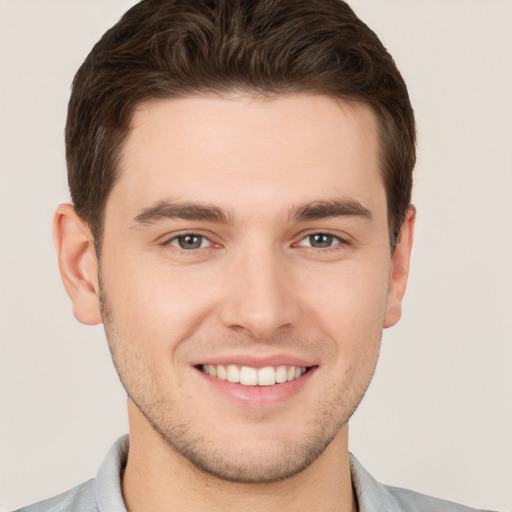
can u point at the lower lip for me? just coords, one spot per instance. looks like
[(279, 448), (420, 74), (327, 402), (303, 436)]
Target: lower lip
[(258, 395)]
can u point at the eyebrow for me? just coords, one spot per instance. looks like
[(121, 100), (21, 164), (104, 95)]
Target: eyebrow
[(182, 210), (314, 210), (335, 208)]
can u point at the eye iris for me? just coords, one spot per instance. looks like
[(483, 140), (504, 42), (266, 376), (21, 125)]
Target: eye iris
[(190, 241), (321, 240)]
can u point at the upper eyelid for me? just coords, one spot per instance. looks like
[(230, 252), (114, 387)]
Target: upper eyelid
[(199, 235), (344, 238), (338, 241), (171, 244), (165, 239), (203, 244)]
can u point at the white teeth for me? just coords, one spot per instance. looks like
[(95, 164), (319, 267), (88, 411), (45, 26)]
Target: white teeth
[(266, 376), (281, 374), (221, 372), (233, 373), (248, 376)]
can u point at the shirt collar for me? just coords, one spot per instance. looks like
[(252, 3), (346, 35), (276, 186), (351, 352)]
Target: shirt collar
[(109, 496), (371, 495)]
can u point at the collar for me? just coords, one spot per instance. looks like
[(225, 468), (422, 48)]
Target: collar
[(371, 495)]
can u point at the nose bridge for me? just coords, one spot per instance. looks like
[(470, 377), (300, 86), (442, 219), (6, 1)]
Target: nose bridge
[(259, 297)]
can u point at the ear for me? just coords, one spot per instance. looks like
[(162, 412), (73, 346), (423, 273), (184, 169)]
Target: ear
[(78, 264), (400, 269)]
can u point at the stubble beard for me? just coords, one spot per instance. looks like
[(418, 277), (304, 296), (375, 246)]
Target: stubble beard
[(228, 463)]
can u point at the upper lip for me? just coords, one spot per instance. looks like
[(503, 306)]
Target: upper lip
[(256, 361)]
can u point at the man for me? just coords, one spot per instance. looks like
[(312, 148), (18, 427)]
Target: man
[(241, 224)]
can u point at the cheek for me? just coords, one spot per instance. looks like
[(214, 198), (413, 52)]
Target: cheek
[(156, 304), (349, 304), (352, 294)]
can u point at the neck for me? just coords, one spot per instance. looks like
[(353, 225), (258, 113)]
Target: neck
[(157, 478)]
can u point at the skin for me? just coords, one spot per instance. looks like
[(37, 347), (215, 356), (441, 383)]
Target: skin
[(256, 285)]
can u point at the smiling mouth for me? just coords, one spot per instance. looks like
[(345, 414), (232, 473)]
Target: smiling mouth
[(248, 376)]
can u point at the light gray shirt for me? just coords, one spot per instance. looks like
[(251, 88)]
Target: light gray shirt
[(103, 493)]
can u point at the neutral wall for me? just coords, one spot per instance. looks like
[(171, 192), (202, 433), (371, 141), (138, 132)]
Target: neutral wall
[(438, 416)]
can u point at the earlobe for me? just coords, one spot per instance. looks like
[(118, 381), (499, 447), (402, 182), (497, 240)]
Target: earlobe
[(400, 269), (77, 263)]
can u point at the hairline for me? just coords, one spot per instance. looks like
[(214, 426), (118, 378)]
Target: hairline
[(345, 101)]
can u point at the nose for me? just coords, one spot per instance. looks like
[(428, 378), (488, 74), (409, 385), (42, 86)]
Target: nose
[(260, 297)]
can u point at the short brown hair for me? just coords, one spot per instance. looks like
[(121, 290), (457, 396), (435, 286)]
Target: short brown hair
[(173, 48)]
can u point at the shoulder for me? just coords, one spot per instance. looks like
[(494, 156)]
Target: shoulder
[(101, 493), (373, 496), (412, 501), (81, 499)]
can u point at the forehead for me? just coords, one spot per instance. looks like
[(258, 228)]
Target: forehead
[(235, 151)]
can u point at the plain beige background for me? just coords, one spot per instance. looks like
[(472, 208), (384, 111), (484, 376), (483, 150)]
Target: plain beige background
[(438, 416)]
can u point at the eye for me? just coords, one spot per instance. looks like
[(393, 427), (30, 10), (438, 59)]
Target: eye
[(189, 241), (320, 241)]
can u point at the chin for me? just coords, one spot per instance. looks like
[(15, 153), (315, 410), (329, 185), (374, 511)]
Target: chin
[(253, 459), (250, 466)]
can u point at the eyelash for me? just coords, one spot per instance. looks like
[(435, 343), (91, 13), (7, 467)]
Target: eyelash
[(335, 241), (176, 238), (338, 241)]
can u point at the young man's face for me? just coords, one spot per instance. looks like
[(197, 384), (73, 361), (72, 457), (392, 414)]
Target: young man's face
[(248, 238)]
